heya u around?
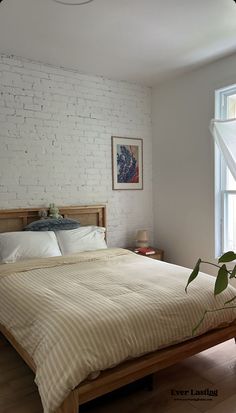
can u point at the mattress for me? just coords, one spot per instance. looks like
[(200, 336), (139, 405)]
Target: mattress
[(81, 314)]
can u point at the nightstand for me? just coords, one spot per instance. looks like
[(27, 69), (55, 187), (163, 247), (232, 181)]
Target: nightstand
[(159, 254)]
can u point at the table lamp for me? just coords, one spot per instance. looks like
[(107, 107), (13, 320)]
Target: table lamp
[(142, 238)]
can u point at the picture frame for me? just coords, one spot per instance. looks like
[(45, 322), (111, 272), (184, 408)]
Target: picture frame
[(127, 163)]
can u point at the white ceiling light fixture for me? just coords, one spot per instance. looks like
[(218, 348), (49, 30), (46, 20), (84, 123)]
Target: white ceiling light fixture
[(73, 2)]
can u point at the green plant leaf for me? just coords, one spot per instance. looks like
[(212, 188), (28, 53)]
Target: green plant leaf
[(227, 257), (194, 273), (233, 273), (221, 280), (199, 323), (230, 301)]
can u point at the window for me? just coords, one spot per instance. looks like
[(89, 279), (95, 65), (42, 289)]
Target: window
[(225, 184)]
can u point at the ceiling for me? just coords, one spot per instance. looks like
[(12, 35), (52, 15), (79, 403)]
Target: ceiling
[(144, 41)]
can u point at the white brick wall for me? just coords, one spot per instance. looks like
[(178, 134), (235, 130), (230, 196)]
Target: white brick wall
[(55, 130)]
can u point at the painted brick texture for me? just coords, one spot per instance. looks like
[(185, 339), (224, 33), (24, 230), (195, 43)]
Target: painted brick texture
[(55, 131)]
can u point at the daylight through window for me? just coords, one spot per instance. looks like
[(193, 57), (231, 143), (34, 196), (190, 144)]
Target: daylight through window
[(225, 183)]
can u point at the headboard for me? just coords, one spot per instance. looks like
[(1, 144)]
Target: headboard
[(17, 219)]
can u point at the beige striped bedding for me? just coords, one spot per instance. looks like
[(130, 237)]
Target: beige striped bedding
[(88, 312)]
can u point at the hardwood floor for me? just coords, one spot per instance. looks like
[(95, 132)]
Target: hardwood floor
[(213, 370)]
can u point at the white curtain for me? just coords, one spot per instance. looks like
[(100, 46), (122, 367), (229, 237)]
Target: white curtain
[(224, 133)]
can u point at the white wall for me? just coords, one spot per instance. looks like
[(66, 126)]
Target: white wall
[(55, 134), (183, 162)]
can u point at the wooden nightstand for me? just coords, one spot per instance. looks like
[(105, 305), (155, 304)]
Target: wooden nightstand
[(159, 254)]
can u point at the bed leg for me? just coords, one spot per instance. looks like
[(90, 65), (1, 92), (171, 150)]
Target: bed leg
[(70, 404), (149, 382)]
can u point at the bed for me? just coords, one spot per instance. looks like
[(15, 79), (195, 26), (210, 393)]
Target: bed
[(127, 367)]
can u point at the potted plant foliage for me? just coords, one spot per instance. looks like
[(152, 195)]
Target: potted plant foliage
[(222, 279)]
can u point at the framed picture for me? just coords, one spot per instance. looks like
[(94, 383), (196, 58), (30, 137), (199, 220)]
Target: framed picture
[(127, 163)]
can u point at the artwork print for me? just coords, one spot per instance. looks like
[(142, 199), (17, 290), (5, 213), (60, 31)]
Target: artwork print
[(127, 163)]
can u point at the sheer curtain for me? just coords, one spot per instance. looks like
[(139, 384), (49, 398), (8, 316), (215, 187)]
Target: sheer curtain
[(224, 133)]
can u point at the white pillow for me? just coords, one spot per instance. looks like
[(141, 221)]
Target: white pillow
[(16, 246), (81, 239)]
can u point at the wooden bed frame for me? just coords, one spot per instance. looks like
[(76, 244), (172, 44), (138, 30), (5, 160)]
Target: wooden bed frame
[(129, 371), (17, 219)]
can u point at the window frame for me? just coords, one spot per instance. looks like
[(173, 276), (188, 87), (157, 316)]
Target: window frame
[(221, 192)]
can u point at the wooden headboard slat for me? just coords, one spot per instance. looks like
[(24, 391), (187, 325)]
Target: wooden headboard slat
[(17, 219)]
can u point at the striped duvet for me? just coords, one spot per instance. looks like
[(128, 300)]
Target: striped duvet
[(84, 313)]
